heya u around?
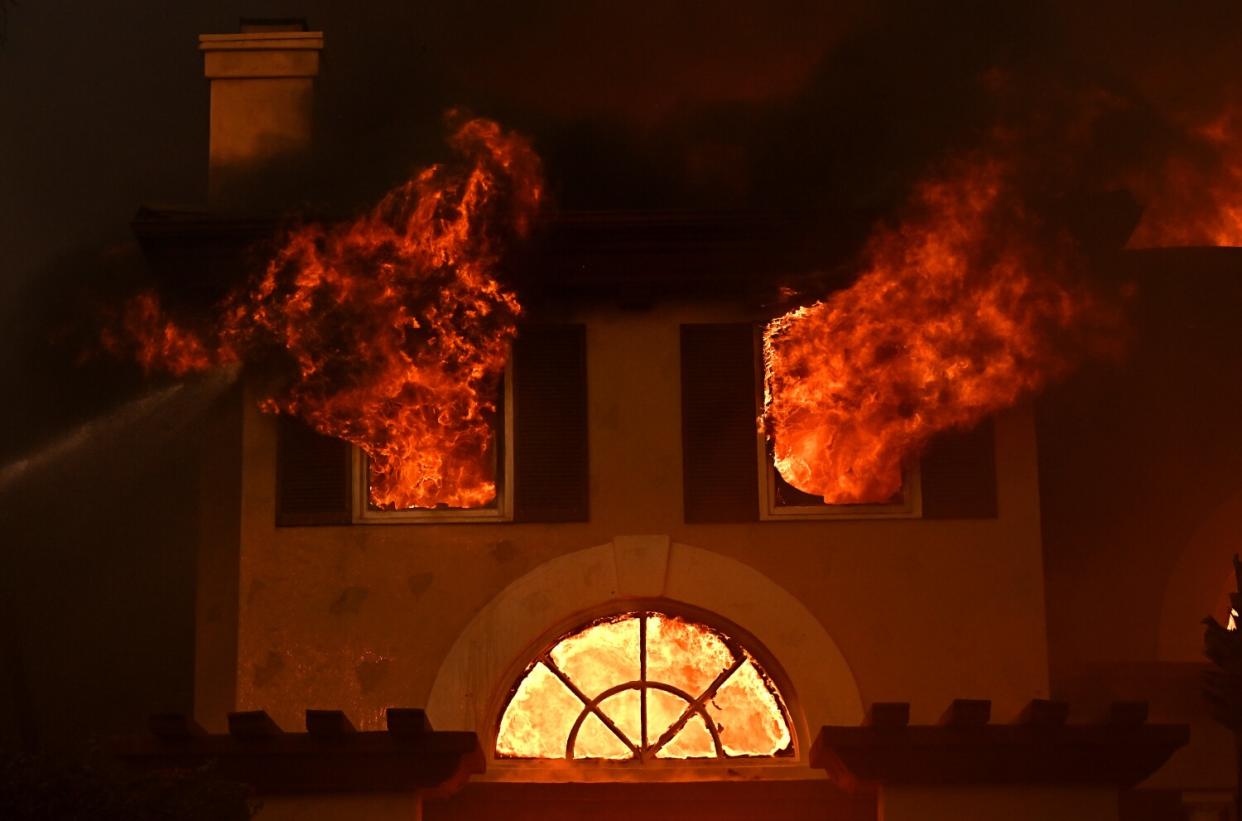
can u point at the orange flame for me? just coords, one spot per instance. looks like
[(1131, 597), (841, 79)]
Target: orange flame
[(158, 343), (1197, 197), (956, 315), (395, 324)]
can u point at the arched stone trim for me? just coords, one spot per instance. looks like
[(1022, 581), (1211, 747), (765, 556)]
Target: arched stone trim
[(473, 679), (1200, 582)]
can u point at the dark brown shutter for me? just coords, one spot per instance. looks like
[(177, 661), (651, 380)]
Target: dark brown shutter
[(312, 476), (718, 413), (550, 465), (959, 474)]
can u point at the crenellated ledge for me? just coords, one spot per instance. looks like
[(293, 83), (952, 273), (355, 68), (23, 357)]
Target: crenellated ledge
[(330, 757), (966, 749)]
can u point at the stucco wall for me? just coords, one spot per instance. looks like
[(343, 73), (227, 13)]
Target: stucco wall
[(362, 617)]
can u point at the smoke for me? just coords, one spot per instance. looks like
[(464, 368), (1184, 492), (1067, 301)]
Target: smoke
[(902, 88)]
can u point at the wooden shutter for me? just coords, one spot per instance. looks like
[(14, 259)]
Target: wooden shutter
[(550, 481), (312, 476), (718, 413), (959, 474)]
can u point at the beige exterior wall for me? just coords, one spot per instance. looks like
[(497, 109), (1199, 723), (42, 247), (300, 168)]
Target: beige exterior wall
[(363, 617)]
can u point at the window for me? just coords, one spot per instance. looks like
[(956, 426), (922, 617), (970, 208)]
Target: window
[(498, 470), (727, 469), (642, 686), (780, 500), (539, 462)]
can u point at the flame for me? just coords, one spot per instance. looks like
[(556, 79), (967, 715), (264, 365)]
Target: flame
[(684, 654), (958, 313), (158, 343), (598, 658), (746, 714), (539, 717), (694, 741), (1196, 199), (394, 324)]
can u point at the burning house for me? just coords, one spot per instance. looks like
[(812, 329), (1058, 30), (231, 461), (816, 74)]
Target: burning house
[(505, 510)]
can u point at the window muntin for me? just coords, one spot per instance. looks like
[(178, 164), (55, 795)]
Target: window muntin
[(642, 686)]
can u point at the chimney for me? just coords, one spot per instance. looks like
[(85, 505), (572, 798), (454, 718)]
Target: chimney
[(262, 85)]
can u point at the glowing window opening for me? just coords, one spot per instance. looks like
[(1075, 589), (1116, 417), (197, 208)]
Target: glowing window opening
[(642, 686), (499, 509), (781, 501)]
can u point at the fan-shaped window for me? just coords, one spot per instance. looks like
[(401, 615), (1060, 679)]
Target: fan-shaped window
[(640, 686)]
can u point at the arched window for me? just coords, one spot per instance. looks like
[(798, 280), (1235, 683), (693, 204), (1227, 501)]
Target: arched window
[(640, 686)]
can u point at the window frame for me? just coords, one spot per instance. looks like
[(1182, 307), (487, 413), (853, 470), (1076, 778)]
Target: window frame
[(502, 511)]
